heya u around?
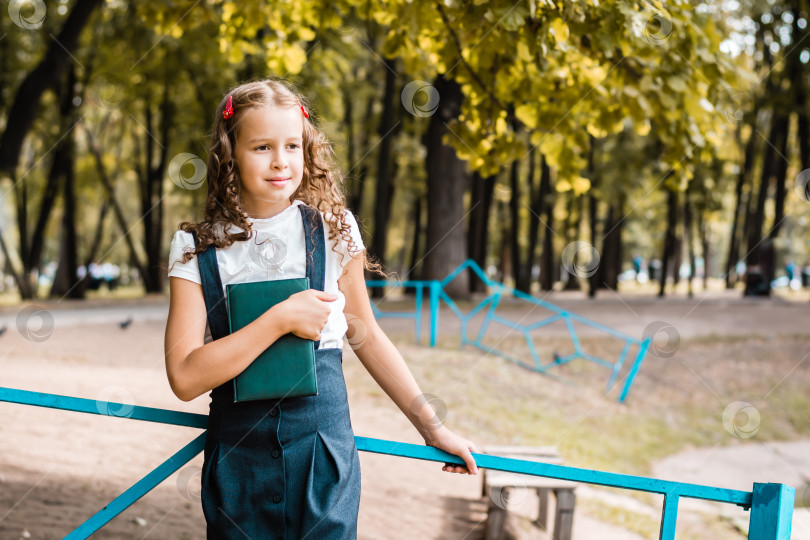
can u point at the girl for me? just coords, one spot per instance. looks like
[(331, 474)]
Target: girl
[(280, 468)]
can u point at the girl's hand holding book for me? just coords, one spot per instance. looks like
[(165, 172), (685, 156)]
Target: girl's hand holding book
[(305, 313)]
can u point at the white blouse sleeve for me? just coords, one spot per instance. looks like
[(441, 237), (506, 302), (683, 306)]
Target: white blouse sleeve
[(182, 242)]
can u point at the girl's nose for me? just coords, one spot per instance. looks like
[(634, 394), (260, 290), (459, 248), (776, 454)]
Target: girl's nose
[(278, 161)]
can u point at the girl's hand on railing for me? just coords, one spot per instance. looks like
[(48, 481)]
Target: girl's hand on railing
[(446, 440)]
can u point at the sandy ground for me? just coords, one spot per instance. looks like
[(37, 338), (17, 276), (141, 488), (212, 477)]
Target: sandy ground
[(57, 468)]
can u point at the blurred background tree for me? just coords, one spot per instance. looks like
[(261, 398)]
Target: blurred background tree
[(665, 136)]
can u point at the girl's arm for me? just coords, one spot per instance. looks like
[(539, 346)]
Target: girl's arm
[(387, 367), (194, 368)]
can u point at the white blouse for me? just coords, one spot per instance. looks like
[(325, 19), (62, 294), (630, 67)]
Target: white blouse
[(276, 250)]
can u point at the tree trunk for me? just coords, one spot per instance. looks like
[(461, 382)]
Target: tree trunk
[(536, 197), (619, 244), (351, 152), (804, 134), (416, 252), (6, 73), (739, 206), (677, 256), (547, 266), (780, 174), (505, 261), (61, 165), (705, 247), (572, 221), (26, 101), (478, 233), (66, 281), (358, 191), (610, 262), (23, 285), (46, 205), (748, 215), (689, 241), (669, 238), (447, 183), (21, 195), (521, 280), (385, 186), (151, 184), (357, 187), (593, 210), (769, 165), (794, 72), (799, 89)]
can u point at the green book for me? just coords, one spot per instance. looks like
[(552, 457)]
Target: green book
[(287, 367)]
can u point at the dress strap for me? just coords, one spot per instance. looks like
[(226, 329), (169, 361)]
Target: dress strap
[(212, 291), (316, 254), (212, 283), (315, 249)]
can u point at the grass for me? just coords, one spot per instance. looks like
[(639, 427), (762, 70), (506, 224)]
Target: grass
[(676, 403), (636, 522), (697, 528), (802, 499), (665, 411)]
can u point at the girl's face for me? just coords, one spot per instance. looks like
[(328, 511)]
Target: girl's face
[(269, 154)]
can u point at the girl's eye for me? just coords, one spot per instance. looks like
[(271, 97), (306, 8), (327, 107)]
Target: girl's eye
[(265, 147)]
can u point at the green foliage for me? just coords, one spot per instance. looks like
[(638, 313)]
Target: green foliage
[(561, 71), (648, 80), (566, 70)]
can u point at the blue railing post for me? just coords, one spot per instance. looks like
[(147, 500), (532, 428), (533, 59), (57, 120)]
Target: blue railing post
[(771, 512), (669, 516), (141, 488), (435, 288), (420, 289), (642, 351), (437, 295)]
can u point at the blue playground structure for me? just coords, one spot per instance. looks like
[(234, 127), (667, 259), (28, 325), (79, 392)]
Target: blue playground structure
[(771, 505), (497, 290)]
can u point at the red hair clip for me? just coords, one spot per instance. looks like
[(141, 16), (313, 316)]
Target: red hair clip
[(228, 111), (303, 110)]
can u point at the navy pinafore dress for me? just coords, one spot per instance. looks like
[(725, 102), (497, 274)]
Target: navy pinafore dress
[(280, 468)]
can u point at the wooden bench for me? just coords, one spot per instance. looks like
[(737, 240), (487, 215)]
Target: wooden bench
[(497, 485)]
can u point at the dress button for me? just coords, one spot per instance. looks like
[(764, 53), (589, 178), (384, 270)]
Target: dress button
[(273, 411), (276, 453), (276, 498)]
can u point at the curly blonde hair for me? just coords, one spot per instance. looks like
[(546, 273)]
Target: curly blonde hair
[(320, 187)]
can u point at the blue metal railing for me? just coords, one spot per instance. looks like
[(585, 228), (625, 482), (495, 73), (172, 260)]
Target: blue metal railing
[(419, 286), (497, 290), (771, 505)]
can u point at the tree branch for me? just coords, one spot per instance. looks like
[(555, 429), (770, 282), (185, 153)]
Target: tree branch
[(472, 72)]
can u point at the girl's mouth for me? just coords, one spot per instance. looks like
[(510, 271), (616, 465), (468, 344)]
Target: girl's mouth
[(278, 182)]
